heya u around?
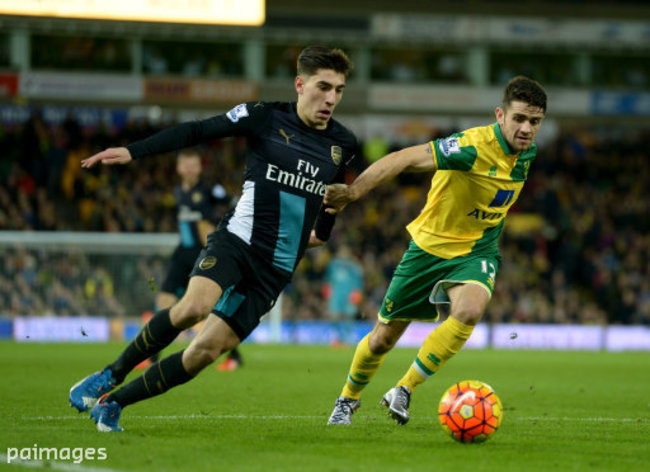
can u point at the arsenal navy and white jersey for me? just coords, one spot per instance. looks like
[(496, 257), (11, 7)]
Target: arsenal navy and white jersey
[(193, 205), (288, 168)]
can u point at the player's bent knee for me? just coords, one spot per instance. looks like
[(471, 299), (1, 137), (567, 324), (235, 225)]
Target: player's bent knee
[(188, 313), (469, 315), (383, 337), (380, 344)]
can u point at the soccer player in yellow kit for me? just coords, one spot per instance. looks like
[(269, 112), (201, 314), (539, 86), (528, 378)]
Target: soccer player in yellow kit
[(453, 256)]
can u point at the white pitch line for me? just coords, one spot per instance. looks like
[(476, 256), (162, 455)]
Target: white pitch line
[(179, 417), (53, 465), (299, 417), (571, 418)]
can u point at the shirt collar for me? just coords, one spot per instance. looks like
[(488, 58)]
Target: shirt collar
[(502, 140)]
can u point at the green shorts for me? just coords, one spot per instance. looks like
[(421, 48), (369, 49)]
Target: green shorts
[(419, 284)]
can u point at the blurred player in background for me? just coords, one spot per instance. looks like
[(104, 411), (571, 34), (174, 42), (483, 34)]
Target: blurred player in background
[(196, 205), (343, 289), (453, 256), (294, 150)]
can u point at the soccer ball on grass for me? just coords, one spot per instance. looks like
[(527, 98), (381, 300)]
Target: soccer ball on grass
[(470, 411)]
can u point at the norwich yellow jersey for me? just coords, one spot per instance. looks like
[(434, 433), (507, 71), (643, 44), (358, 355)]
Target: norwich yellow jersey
[(477, 181)]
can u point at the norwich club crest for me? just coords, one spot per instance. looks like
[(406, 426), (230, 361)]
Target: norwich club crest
[(337, 154)]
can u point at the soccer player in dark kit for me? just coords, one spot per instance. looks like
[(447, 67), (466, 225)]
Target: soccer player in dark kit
[(294, 150)]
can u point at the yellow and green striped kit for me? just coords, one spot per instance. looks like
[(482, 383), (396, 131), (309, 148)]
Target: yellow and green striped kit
[(478, 179)]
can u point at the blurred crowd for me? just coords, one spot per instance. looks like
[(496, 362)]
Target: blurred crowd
[(65, 283), (577, 251)]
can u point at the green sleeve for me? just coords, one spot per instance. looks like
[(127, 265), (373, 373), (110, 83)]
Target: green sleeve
[(452, 155)]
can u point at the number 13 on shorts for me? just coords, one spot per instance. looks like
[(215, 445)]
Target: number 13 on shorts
[(488, 268)]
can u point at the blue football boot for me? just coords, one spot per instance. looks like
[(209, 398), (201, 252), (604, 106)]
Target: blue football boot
[(106, 415), (85, 393)]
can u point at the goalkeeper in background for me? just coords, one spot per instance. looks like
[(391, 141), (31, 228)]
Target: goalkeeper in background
[(453, 256)]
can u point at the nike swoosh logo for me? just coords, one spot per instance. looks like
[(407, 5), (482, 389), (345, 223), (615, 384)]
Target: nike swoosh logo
[(462, 398)]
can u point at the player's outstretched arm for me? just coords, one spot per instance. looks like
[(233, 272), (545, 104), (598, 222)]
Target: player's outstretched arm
[(110, 156), (411, 159)]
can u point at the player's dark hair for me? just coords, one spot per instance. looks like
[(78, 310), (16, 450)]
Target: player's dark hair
[(526, 90), (313, 58)]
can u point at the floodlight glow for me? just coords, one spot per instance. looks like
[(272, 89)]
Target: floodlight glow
[(217, 12)]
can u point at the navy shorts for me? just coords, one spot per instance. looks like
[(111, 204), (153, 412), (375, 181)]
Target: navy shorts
[(180, 267), (250, 284)]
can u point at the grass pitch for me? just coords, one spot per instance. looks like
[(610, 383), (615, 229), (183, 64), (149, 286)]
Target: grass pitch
[(564, 411)]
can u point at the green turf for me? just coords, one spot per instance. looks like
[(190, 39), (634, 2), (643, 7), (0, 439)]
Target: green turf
[(564, 411)]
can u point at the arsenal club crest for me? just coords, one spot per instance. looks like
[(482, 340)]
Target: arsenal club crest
[(337, 154)]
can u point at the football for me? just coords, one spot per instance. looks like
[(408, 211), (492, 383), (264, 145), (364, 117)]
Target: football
[(470, 411)]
